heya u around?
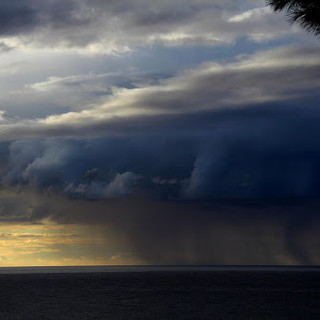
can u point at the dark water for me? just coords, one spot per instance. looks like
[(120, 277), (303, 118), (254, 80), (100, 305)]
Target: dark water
[(160, 293), (154, 268)]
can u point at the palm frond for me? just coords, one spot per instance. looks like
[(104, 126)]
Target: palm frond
[(304, 12)]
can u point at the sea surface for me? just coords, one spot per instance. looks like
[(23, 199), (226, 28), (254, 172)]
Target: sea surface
[(160, 292), (152, 268)]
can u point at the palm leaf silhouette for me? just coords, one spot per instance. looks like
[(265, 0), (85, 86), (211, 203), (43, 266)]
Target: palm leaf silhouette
[(304, 12)]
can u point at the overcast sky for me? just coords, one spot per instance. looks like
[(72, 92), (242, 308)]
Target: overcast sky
[(162, 132)]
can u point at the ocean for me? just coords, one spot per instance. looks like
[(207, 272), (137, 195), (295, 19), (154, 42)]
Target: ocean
[(160, 292)]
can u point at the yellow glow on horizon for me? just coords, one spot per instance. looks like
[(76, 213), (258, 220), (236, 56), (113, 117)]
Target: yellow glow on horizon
[(58, 245)]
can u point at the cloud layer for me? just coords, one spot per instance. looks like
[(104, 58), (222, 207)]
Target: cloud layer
[(218, 130), (261, 78), (105, 26), (262, 152)]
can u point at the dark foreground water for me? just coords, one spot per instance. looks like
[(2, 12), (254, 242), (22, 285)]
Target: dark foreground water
[(162, 293)]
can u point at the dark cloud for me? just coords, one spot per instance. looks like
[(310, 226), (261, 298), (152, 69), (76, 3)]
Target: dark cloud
[(262, 152), (152, 17), (17, 17), (235, 186), (71, 23), (20, 17)]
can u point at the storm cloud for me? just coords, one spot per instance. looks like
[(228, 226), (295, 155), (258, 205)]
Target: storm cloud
[(218, 130), (183, 232), (188, 132), (242, 189), (258, 152)]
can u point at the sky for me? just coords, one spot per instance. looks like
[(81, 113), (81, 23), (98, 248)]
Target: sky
[(157, 132)]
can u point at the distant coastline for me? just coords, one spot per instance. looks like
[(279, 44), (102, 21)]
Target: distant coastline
[(154, 268)]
